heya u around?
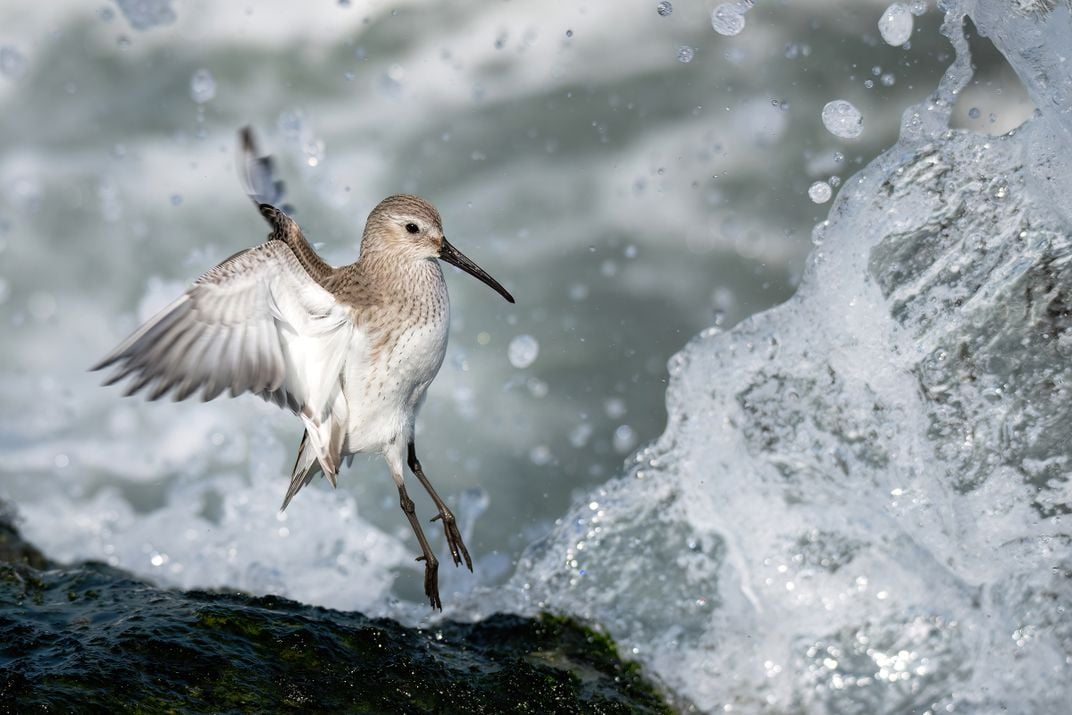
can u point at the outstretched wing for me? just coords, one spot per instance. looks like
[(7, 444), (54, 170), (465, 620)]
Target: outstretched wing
[(257, 322)]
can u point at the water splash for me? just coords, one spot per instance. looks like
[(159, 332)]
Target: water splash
[(857, 504)]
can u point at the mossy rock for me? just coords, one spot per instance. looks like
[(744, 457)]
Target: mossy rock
[(91, 637)]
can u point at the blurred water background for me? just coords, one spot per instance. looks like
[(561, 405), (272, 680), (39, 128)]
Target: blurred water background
[(630, 174)]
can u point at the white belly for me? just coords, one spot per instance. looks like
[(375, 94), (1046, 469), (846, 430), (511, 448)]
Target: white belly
[(384, 391)]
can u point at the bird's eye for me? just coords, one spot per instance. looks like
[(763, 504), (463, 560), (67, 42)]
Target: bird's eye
[(412, 228)]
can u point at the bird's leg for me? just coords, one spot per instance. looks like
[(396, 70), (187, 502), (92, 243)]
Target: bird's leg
[(450, 527), (431, 563)]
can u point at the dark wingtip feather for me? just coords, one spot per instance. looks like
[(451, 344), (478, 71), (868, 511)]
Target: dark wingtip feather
[(119, 374), (161, 389), (245, 135), (104, 362), (213, 389), (258, 173), (187, 388), (138, 384)]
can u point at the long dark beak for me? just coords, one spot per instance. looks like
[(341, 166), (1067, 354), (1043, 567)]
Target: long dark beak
[(454, 257)]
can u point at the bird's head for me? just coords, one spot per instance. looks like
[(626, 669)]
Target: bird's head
[(408, 228)]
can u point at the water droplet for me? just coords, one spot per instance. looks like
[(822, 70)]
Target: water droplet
[(537, 387), (523, 350), (624, 439), (888, 80), (540, 454), (728, 18), (143, 14), (842, 119), (313, 149), (820, 192), (918, 7), (26, 191), (580, 435), (12, 63), (202, 86), (974, 113), (664, 8), (569, 33), (684, 54), (290, 123), (615, 408), (895, 25), (176, 199)]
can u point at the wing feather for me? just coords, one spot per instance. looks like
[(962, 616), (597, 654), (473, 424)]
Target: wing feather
[(258, 173), (258, 323)]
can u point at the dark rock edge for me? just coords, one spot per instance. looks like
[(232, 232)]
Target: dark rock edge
[(89, 637)]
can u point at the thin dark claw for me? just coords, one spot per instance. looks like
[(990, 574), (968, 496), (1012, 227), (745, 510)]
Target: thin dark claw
[(431, 584), (454, 539)]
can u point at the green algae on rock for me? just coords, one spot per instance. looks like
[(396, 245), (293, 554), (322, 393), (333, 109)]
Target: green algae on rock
[(93, 637)]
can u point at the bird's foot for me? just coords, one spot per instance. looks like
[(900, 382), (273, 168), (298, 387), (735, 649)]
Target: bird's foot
[(454, 538), (431, 580)]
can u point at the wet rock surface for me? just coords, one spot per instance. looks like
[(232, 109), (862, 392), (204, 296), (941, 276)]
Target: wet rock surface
[(92, 637)]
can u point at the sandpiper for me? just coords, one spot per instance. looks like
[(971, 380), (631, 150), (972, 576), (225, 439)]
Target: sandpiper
[(350, 350)]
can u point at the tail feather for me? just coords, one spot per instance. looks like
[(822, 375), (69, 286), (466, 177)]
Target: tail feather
[(306, 467), (320, 451)]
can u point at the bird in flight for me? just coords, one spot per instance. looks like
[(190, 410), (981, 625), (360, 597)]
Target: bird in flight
[(350, 350)]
